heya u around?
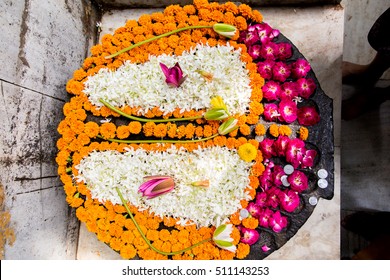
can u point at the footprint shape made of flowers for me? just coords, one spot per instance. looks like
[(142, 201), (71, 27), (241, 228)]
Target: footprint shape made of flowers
[(196, 133)]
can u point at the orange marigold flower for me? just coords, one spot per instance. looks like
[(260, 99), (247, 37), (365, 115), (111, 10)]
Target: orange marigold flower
[(240, 23), (242, 250), (190, 129), (245, 129), (107, 130), (226, 255), (152, 235), (160, 130), (77, 126), (148, 129), (122, 132), (207, 131), (83, 139), (257, 169), (274, 130), (128, 252), (284, 130), (135, 127), (260, 130), (250, 222), (303, 133), (181, 131), (189, 9), (253, 181)]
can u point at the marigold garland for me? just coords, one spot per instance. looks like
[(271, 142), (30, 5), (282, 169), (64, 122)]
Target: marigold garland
[(86, 128)]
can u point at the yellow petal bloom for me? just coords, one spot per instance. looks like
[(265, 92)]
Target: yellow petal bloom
[(247, 152)]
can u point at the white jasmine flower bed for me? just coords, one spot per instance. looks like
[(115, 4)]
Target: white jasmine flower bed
[(143, 85), (226, 172)]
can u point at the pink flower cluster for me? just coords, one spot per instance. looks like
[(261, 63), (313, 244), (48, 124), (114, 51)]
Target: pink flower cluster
[(293, 150), (285, 82)]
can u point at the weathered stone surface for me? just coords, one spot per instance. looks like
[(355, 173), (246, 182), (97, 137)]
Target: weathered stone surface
[(42, 43), (45, 42)]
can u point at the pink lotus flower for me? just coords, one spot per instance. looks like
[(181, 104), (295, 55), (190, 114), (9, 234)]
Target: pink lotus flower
[(277, 222), (308, 115), (281, 144), (288, 91), (266, 147), (253, 209), (271, 90), (265, 215), (269, 51), (288, 111), (249, 236), (254, 51), (156, 186), (298, 181), (289, 200), (300, 68), (281, 71), (284, 51), (174, 75), (295, 151), (271, 112), (261, 199), (265, 68), (273, 197), (306, 87), (308, 158)]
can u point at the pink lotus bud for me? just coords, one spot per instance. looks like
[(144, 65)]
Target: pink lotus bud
[(156, 185), (174, 75)]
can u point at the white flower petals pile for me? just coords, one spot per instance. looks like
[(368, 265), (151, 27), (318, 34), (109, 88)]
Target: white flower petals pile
[(227, 173), (143, 85)]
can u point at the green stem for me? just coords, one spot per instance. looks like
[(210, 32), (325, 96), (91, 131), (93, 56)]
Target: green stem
[(147, 240), (155, 38), (112, 108), (146, 141)]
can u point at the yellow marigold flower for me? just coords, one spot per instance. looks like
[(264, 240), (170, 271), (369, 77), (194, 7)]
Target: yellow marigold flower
[(247, 152), (274, 130)]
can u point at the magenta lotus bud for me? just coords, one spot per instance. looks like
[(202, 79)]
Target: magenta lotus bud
[(174, 75), (156, 186)]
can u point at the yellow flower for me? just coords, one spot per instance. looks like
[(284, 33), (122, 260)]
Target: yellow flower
[(247, 152)]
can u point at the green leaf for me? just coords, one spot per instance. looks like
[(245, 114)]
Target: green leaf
[(220, 229)]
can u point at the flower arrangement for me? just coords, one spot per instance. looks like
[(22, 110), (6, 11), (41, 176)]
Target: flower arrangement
[(168, 148)]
